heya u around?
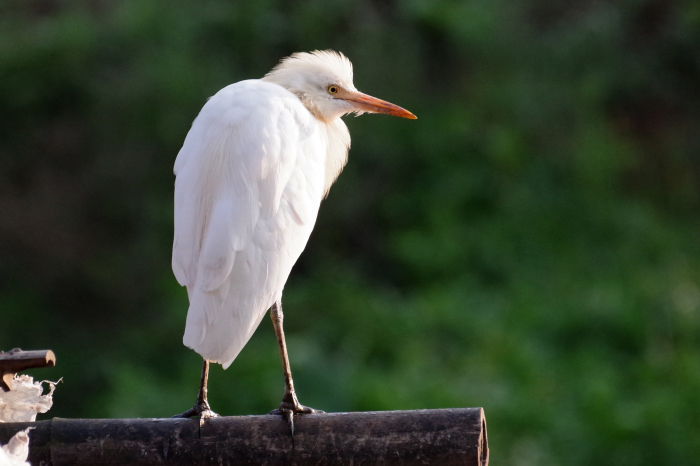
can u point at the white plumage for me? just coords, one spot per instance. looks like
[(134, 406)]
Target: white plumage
[(250, 177)]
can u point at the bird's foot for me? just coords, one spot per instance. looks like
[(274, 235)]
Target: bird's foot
[(201, 410), (289, 408)]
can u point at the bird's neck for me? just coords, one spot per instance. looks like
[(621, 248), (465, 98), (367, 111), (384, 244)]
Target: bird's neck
[(337, 139), (311, 107), (337, 146)]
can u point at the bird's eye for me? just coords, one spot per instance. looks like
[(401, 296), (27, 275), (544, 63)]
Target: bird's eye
[(332, 89)]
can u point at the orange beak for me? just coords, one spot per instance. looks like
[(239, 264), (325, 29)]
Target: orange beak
[(367, 103)]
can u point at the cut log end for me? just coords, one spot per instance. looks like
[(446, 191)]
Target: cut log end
[(483, 443)]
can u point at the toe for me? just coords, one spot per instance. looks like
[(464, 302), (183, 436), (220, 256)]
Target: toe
[(206, 414), (295, 409), (301, 409)]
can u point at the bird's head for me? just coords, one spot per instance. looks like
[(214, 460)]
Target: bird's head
[(323, 82)]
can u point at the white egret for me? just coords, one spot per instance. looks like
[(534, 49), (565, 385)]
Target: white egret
[(250, 177)]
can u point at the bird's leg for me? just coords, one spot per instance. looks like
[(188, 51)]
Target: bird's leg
[(201, 407), (290, 405)]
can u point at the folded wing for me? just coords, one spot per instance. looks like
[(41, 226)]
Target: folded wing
[(231, 174)]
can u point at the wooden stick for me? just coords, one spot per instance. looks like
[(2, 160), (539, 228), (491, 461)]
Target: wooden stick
[(16, 360), (439, 437)]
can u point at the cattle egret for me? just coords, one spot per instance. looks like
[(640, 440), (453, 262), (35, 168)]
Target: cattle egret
[(250, 177)]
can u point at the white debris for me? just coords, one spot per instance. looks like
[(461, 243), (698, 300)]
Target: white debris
[(16, 451), (21, 404), (25, 400)]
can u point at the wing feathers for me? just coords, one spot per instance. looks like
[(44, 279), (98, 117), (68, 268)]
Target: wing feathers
[(232, 173)]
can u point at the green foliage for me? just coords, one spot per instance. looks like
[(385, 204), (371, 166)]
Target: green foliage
[(529, 245)]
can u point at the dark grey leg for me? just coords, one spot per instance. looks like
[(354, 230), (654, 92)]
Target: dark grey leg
[(290, 405), (201, 408)]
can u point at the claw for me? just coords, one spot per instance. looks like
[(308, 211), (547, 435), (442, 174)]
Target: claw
[(289, 416), (288, 410)]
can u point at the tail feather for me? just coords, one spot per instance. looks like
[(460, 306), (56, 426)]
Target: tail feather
[(218, 328)]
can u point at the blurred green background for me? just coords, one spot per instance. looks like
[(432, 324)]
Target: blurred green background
[(530, 244)]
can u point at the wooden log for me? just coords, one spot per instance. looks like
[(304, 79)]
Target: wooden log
[(16, 360), (423, 437)]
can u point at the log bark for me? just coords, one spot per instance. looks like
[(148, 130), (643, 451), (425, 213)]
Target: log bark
[(423, 437)]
